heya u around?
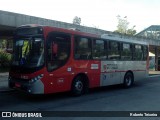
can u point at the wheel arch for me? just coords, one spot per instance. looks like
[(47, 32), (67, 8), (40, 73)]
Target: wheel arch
[(129, 71), (85, 80), (128, 80)]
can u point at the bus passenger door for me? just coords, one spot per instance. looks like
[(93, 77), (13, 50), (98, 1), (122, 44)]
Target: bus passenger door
[(58, 53)]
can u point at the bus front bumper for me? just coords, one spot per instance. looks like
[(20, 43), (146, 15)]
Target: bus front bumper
[(36, 87)]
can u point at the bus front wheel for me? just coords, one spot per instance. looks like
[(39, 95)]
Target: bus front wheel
[(128, 80), (78, 86)]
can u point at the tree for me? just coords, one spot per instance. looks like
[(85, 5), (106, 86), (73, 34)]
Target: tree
[(131, 31), (77, 20), (3, 44), (122, 26)]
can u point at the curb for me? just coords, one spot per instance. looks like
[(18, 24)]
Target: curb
[(5, 89), (4, 74)]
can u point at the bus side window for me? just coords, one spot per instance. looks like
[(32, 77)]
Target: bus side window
[(145, 52), (126, 53), (114, 50), (99, 51), (58, 50), (137, 52), (82, 48)]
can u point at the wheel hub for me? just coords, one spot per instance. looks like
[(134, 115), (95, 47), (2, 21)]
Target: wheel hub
[(79, 85), (128, 80)]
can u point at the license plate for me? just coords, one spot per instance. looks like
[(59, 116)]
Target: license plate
[(17, 85)]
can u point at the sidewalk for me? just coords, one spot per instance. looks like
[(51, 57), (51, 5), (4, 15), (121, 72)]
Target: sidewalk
[(154, 72), (4, 80)]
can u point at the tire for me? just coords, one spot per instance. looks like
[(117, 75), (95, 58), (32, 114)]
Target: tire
[(78, 86), (128, 80)]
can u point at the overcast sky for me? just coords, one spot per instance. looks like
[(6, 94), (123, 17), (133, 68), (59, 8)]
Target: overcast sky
[(93, 13)]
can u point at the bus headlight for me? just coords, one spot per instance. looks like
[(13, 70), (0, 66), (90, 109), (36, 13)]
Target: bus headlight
[(36, 78)]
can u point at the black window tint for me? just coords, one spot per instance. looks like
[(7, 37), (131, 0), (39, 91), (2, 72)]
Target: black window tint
[(58, 50), (114, 50), (145, 52), (126, 53), (99, 49), (137, 52), (82, 48)]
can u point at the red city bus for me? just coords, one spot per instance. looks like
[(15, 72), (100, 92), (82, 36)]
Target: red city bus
[(50, 60)]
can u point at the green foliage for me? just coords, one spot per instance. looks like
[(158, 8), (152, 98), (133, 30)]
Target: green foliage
[(3, 44), (5, 59), (131, 31), (77, 20), (122, 26)]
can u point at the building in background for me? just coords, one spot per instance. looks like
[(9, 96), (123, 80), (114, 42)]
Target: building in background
[(152, 32)]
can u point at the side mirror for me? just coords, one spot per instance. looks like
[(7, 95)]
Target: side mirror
[(54, 49)]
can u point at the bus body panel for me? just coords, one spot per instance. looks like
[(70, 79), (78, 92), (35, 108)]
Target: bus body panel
[(113, 72), (61, 79), (27, 83), (89, 67), (58, 81)]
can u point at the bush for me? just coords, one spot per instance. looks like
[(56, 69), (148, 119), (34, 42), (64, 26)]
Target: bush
[(5, 59)]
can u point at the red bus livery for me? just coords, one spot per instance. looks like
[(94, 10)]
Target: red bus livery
[(50, 60)]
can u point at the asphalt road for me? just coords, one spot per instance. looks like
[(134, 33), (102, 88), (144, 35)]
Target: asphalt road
[(143, 96)]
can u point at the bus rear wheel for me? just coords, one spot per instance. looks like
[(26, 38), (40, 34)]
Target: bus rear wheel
[(78, 86), (128, 80)]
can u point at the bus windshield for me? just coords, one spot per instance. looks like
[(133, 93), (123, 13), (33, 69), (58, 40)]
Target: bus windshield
[(28, 52)]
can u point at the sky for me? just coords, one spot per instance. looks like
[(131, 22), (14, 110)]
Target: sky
[(101, 14)]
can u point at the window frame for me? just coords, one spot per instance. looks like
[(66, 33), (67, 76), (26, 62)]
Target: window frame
[(107, 49), (130, 50), (113, 50), (101, 51), (134, 53), (89, 57), (52, 34)]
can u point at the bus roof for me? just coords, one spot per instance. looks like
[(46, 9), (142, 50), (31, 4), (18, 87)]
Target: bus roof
[(72, 31), (114, 37), (65, 30), (123, 39)]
